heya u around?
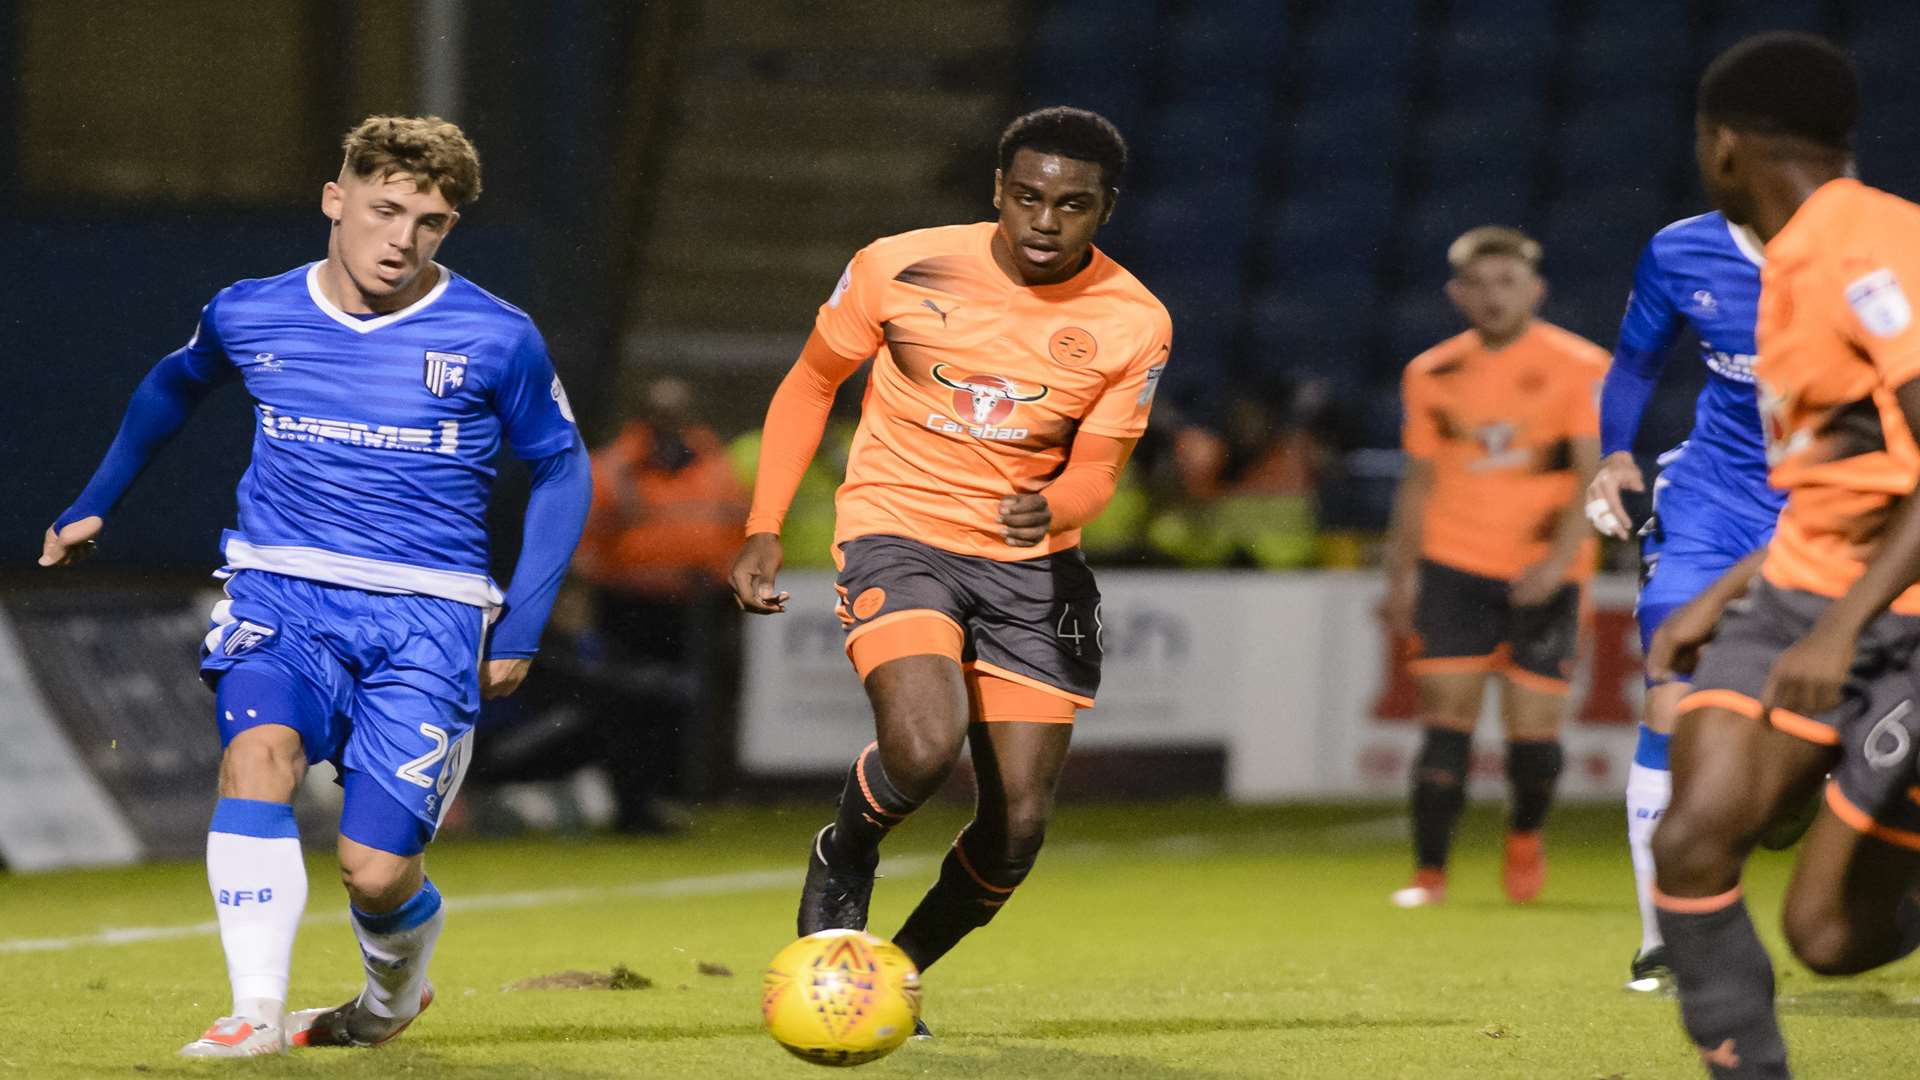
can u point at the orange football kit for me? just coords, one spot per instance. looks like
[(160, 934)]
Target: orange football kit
[(1837, 337), (981, 388), (1498, 428)]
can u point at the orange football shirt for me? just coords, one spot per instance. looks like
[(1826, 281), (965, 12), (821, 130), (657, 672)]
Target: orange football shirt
[(1498, 428), (1837, 336), (980, 384)]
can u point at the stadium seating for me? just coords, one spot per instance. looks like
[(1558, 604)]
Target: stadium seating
[(1361, 138)]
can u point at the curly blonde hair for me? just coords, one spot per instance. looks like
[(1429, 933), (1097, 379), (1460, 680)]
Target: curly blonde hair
[(427, 148)]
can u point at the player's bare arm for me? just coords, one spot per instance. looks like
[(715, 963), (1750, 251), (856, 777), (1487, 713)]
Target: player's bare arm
[(1570, 532), (1677, 644), (1618, 472), (1806, 679), (1403, 546)]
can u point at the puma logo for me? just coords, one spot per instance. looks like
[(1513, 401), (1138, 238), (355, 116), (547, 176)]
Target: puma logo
[(1721, 1055), (935, 308)]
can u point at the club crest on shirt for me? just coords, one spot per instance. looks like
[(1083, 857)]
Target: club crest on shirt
[(445, 372), (1881, 303)]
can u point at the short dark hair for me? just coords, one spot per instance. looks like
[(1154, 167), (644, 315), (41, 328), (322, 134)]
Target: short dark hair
[(1070, 133), (1784, 83)]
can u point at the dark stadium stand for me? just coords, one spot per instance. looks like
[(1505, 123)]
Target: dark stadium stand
[(1354, 140)]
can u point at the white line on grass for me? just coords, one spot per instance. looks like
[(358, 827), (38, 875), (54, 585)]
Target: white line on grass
[(744, 881), (668, 889)]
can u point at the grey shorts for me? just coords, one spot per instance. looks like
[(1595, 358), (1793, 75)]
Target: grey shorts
[(1035, 621), (1876, 726)]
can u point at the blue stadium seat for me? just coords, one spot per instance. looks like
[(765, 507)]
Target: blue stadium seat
[(1293, 332), (1187, 243), (1306, 238), (1359, 48), (1417, 320), (1632, 139), (1195, 142), (1221, 52), (1593, 240), (1498, 145), (1492, 60), (1623, 47), (1343, 137), (1104, 65), (1532, 21), (1736, 21)]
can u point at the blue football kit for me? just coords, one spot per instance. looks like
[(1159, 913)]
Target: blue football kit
[(1712, 505), (358, 601)]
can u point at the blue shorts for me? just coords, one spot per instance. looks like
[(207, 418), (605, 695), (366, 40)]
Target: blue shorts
[(1684, 547), (384, 686)]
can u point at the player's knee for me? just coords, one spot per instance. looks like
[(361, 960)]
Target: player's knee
[(1826, 948), (1025, 828), (919, 759), (1694, 850), (263, 763), (1822, 937), (1444, 759), (377, 881)]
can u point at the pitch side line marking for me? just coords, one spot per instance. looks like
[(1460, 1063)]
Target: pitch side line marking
[(744, 881)]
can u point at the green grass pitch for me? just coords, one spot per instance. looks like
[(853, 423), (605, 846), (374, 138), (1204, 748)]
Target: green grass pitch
[(1187, 940)]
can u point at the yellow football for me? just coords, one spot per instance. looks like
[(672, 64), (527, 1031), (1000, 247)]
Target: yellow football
[(840, 997)]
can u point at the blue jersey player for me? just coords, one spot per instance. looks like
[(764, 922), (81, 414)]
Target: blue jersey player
[(355, 627), (1711, 503)]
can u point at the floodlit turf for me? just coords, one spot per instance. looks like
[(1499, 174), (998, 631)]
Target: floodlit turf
[(1192, 940)]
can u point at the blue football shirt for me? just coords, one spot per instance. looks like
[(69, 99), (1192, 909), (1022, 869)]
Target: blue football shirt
[(1702, 272), (374, 437)]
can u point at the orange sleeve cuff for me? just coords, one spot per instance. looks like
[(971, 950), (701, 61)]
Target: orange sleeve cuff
[(1086, 485), (796, 420)]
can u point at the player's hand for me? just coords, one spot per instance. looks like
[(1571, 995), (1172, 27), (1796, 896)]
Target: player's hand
[(498, 678), (1807, 678), (1538, 584), (1677, 644), (1397, 612), (71, 544), (753, 574), (1618, 472), (1025, 519)]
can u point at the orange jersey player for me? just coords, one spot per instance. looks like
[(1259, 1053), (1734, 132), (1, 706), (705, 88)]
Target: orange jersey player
[(1014, 365), (1810, 645), (1489, 551)]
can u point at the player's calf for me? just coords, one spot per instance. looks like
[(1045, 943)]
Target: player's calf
[(1533, 772), (979, 875), (1439, 794), (872, 803)]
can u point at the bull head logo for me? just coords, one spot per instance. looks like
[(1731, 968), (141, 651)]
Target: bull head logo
[(988, 399)]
